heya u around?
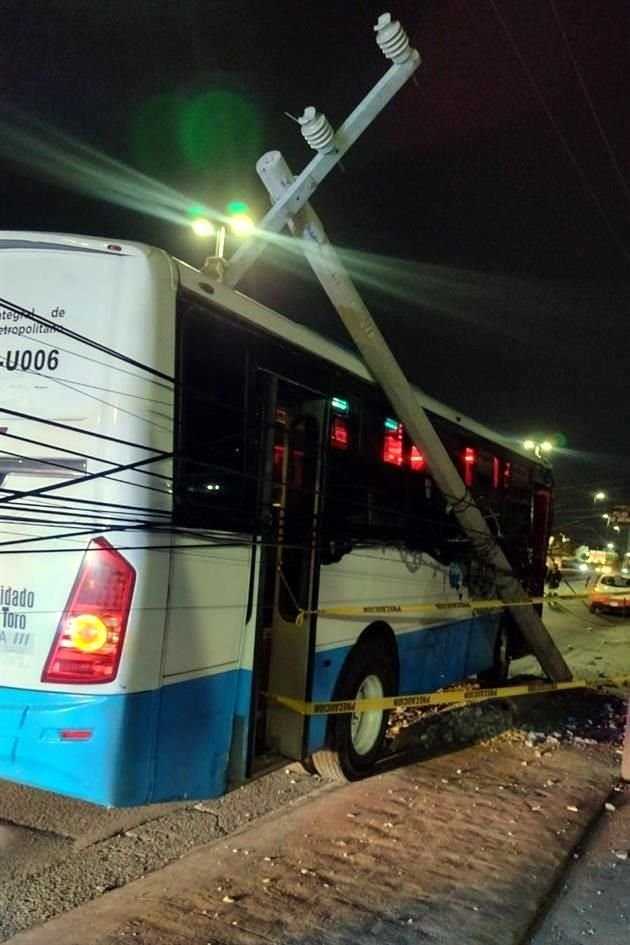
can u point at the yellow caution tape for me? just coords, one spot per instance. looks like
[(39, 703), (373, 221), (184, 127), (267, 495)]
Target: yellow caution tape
[(432, 607), (461, 695)]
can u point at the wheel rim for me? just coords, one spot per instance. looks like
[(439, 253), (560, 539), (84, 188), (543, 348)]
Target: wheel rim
[(365, 727)]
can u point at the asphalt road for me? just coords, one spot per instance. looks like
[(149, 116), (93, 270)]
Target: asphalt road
[(56, 853), (592, 644)]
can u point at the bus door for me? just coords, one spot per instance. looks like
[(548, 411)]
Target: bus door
[(296, 418)]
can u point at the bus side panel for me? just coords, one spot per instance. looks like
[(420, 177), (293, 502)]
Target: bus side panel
[(207, 670), (430, 656), (196, 721)]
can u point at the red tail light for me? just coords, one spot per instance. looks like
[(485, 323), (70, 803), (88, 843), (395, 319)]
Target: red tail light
[(89, 639)]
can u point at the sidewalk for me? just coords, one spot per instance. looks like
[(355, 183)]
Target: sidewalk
[(465, 847)]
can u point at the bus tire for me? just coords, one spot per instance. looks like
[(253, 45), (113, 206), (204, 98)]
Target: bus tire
[(355, 741), (499, 671)]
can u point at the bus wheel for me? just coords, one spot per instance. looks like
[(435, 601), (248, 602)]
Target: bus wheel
[(498, 673), (356, 739)]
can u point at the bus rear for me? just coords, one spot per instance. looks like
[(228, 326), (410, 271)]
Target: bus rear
[(86, 403)]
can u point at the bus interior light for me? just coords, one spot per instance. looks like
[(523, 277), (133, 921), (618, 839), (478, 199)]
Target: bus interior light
[(339, 437), (416, 459), (393, 443)]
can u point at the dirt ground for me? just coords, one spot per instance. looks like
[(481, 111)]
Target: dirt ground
[(465, 846)]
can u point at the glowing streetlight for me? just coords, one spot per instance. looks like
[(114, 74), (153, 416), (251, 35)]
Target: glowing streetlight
[(242, 224), (599, 496), (239, 220), (538, 448), (203, 228), (610, 546)]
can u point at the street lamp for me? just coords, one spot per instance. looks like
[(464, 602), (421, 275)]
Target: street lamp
[(242, 225), (598, 497), (538, 448), (238, 219), (202, 227)]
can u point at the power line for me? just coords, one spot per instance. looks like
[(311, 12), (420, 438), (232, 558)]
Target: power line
[(558, 130), (144, 419), (83, 479), (76, 336), (589, 99), (73, 429)]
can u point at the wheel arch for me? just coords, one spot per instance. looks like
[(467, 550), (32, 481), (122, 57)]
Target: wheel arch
[(377, 636), (379, 633)]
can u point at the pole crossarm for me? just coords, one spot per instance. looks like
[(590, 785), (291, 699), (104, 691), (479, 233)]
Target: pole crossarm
[(305, 185)]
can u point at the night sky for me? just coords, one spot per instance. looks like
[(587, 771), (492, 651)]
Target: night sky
[(495, 210)]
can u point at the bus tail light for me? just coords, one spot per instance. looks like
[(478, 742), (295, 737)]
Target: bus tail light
[(89, 639)]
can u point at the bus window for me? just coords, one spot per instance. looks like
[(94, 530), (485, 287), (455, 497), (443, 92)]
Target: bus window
[(214, 486)]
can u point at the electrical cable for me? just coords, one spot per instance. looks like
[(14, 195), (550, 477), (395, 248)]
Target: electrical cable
[(116, 407), (591, 104), (73, 429), (55, 465), (83, 479), (76, 336), (95, 503), (576, 165)]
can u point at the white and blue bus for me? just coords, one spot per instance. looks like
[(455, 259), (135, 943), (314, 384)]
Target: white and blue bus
[(183, 471)]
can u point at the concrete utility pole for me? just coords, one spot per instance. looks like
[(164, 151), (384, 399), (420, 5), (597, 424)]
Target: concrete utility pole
[(374, 350), (386, 371)]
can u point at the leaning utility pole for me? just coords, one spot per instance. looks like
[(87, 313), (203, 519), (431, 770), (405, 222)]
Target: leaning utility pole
[(291, 207)]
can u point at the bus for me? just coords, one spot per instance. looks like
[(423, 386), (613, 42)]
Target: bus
[(183, 472)]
